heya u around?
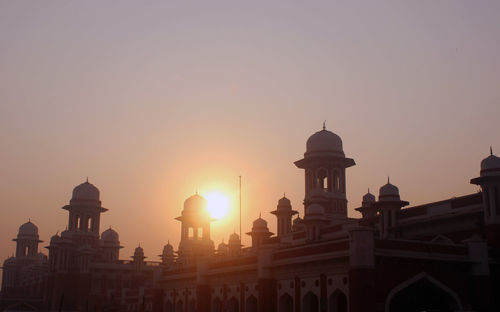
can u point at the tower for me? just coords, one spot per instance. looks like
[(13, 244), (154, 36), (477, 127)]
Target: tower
[(110, 245), (324, 163), (314, 219), (259, 232), (167, 256), (284, 215), (367, 208), (195, 230), (84, 215), (389, 203), (27, 240), (489, 180)]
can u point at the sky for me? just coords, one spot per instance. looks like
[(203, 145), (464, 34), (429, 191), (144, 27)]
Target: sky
[(155, 100)]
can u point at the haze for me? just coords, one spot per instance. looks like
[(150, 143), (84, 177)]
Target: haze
[(155, 100)]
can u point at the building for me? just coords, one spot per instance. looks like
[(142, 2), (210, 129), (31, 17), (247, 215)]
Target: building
[(441, 256)]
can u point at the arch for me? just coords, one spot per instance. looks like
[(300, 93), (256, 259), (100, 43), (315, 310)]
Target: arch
[(337, 302), (216, 305), (422, 292), (321, 176), (192, 305), (200, 232), (233, 305), (251, 304), (285, 303), (310, 303), (190, 232), (168, 306), (78, 222), (179, 307)]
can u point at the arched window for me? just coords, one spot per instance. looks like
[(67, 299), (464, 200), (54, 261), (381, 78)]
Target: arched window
[(78, 222), (251, 304), (310, 303), (179, 307), (89, 220), (233, 305), (285, 303), (168, 306), (321, 175), (337, 302), (190, 233), (200, 232)]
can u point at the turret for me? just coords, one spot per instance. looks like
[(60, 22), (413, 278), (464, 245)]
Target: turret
[(284, 215), (27, 240), (259, 232), (389, 203), (367, 208)]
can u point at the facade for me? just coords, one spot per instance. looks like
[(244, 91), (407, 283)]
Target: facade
[(441, 256)]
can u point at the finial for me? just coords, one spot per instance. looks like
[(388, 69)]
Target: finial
[(196, 191), (324, 125), (29, 220), (284, 195), (87, 181), (260, 215), (168, 242), (368, 190), (388, 180), (491, 150), (139, 244)]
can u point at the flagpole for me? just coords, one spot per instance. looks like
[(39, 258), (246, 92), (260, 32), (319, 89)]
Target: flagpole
[(241, 238)]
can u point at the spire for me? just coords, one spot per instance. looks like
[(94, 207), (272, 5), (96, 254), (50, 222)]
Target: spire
[(87, 181), (368, 190), (388, 180), (324, 125), (491, 150), (260, 215)]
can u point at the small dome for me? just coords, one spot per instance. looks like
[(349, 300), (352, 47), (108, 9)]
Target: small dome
[(284, 202), (54, 239), (314, 212), (168, 249), (86, 191), (490, 166), (234, 238), (369, 198), (9, 261), (388, 192), (195, 204), (110, 235), (297, 222), (139, 251), (222, 247), (324, 141), (28, 229), (260, 225)]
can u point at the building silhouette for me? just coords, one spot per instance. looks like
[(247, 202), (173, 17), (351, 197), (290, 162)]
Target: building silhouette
[(440, 256)]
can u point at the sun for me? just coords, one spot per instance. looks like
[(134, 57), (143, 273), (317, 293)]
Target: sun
[(217, 204)]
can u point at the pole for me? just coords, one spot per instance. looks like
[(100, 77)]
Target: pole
[(241, 238)]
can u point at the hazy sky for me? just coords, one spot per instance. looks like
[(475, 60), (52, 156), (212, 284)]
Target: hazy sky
[(155, 99)]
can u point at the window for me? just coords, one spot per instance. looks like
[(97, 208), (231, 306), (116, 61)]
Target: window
[(190, 233), (200, 232)]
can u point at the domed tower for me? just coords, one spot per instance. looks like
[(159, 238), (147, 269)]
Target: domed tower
[(284, 215), (259, 232), (84, 214), (314, 219), (389, 203), (324, 163), (167, 256), (27, 240), (367, 208), (138, 258), (489, 180), (222, 249), (234, 245), (110, 245), (195, 230)]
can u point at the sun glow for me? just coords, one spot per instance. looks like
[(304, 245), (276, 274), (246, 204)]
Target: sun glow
[(217, 204)]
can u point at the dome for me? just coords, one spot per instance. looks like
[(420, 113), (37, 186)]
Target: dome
[(260, 225), (222, 247), (388, 192), (324, 141), (168, 249), (195, 204), (297, 222), (314, 212), (54, 239), (86, 191), (9, 261), (28, 229), (139, 251), (284, 202), (110, 235), (490, 166), (369, 198), (234, 238)]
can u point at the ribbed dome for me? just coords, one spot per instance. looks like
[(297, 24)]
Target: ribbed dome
[(139, 251), (324, 141), (260, 225), (234, 238), (369, 198), (195, 204), (28, 229), (168, 249), (86, 191), (314, 212), (388, 192), (110, 235), (490, 166), (284, 202)]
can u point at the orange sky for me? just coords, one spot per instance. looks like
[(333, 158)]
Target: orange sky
[(153, 101)]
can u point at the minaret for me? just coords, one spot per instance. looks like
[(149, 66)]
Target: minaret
[(195, 230), (367, 208), (138, 258), (389, 203), (284, 215), (259, 232), (27, 241), (167, 256), (489, 180), (84, 214), (324, 163), (110, 245)]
